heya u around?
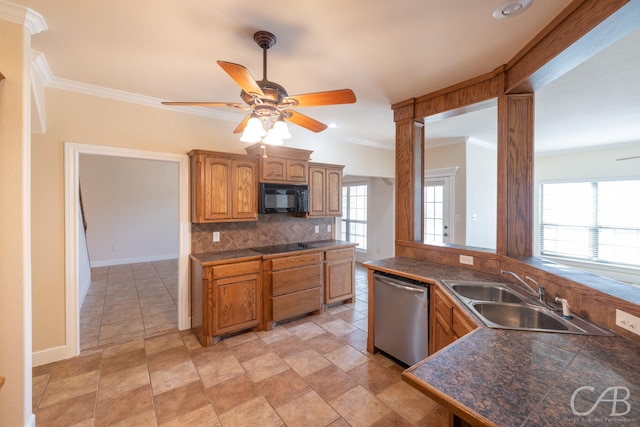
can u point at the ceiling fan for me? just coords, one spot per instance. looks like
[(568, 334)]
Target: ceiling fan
[(269, 103)]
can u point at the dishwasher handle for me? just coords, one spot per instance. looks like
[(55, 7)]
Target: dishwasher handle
[(403, 287)]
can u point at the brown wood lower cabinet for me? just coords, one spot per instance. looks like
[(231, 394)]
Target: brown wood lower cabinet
[(225, 298), (448, 322), (292, 286), (339, 275)]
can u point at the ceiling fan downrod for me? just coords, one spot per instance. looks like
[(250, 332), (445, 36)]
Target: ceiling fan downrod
[(265, 40)]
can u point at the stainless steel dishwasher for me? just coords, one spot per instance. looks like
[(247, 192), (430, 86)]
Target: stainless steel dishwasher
[(401, 322)]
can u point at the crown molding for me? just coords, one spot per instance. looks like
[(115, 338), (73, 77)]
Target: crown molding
[(23, 16), (367, 142), (40, 65), (119, 95), (482, 143)]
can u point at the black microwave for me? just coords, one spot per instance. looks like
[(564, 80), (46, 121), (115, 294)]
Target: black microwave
[(283, 198)]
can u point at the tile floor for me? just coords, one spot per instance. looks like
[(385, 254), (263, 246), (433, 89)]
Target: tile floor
[(313, 371), (129, 301)]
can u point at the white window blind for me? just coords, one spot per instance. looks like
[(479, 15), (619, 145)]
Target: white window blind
[(591, 220)]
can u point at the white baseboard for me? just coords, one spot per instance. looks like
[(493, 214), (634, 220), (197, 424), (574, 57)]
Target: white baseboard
[(134, 260), (49, 355)]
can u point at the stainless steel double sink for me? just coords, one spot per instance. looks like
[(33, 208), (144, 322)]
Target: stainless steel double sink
[(505, 306)]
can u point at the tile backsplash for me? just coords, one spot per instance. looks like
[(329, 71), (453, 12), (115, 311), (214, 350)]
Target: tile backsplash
[(270, 229)]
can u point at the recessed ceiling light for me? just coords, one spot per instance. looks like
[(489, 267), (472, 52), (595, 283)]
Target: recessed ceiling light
[(511, 8), (332, 125)]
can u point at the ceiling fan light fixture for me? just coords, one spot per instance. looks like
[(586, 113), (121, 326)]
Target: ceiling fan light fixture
[(272, 138), (248, 138), (254, 131), (281, 130)]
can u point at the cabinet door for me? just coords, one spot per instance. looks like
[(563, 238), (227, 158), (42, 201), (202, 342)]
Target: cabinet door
[(442, 333), (216, 188), (333, 199), (244, 190), (317, 189), (339, 275), (460, 324), (236, 303), (273, 169), (297, 171)]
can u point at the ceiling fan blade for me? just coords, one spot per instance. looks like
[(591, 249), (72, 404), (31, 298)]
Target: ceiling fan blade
[(242, 124), (242, 77), (331, 97), (207, 104), (304, 121)]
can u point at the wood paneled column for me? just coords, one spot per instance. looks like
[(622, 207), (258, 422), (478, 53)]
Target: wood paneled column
[(409, 172), (515, 175)]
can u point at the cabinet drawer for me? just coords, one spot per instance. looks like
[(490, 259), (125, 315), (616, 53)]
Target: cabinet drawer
[(291, 305), (296, 279), (236, 269), (294, 261), (338, 254)]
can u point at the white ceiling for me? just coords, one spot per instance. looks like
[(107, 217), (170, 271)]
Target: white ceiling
[(385, 53)]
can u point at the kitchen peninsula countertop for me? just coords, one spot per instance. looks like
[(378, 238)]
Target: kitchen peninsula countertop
[(493, 377)]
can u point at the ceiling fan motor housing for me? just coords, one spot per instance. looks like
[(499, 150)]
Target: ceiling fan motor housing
[(265, 39)]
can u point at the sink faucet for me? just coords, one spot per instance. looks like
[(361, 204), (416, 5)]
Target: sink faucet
[(539, 293)]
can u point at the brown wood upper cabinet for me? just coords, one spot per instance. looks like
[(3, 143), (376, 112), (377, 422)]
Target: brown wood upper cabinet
[(281, 164), (325, 190), (224, 187)]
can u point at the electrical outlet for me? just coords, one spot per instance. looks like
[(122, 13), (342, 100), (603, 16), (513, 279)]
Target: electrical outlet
[(216, 236), (466, 259), (328, 228), (317, 228), (628, 321)]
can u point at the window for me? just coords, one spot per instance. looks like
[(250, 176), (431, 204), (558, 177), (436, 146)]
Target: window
[(434, 215), (354, 217), (597, 221)]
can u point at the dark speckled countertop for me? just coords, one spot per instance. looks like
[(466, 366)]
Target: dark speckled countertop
[(222, 257), (508, 378)]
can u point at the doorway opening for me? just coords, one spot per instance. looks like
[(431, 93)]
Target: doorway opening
[(74, 233)]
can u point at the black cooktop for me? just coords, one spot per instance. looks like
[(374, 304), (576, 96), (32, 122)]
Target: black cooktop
[(288, 247)]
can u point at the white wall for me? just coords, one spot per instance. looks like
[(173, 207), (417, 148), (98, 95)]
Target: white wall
[(131, 207), (84, 263), (597, 162), (380, 217), (482, 194), (381, 221)]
